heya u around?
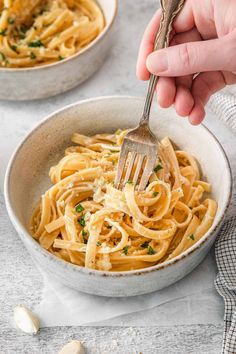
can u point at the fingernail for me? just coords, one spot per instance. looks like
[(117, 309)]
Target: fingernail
[(157, 62)]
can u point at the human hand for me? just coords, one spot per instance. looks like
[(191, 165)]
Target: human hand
[(200, 61)]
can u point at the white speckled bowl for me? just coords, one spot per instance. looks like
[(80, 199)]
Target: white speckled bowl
[(27, 178), (51, 79)]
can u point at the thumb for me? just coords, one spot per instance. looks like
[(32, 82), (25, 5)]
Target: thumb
[(194, 57)]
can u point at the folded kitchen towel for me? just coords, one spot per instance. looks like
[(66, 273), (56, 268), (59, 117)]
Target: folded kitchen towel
[(225, 250), (223, 105)]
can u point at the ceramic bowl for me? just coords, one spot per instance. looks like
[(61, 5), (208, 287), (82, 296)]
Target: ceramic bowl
[(49, 80), (27, 178)]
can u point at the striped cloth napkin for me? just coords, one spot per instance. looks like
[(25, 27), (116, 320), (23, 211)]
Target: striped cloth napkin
[(225, 250), (223, 105)]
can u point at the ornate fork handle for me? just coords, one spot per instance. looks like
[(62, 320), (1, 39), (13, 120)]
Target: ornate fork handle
[(170, 9)]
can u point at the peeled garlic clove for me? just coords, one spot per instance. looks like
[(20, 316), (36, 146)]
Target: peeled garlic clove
[(26, 320), (74, 347)]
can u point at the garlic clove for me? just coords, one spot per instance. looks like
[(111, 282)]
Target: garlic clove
[(26, 320), (74, 347)]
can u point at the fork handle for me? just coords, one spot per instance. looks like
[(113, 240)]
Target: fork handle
[(170, 9)]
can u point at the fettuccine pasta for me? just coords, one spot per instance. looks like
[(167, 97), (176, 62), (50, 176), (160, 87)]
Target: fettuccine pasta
[(37, 32), (84, 220)]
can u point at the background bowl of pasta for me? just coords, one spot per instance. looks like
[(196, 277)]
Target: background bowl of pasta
[(48, 47), (99, 240)]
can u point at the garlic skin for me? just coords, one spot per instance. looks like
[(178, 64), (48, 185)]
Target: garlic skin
[(26, 320), (74, 347)]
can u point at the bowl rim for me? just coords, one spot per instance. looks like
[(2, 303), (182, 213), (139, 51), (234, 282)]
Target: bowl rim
[(72, 57), (21, 229)]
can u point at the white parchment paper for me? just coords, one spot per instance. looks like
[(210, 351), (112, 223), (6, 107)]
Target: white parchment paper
[(192, 300)]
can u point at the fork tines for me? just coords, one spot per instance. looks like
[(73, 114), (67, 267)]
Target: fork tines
[(135, 157)]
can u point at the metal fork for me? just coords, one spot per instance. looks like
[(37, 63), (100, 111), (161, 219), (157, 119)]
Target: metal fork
[(140, 144)]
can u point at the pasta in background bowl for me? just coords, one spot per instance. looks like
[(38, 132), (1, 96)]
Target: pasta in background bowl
[(48, 47), (112, 274), (34, 32)]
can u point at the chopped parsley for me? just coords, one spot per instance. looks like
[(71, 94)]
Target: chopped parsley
[(129, 182), (85, 234), (125, 250), (11, 21), (192, 237), (2, 57), (158, 168), (14, 48), (21, 31), (61, 57), (150, 250), (35, 44), (145, 244), (155, 194), (23, 28), (79, 208), (113, 162), (3, 32), (32, 56), (82, 221), (118, 132), (21, 35), (99, 243)]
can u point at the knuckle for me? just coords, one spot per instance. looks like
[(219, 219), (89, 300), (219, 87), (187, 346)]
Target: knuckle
[(185, 55)]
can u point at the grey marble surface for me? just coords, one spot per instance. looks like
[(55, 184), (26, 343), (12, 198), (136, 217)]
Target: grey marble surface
[(19, 279)]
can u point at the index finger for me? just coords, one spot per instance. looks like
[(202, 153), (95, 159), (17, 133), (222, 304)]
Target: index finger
[(146, 46), (184, 22)]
